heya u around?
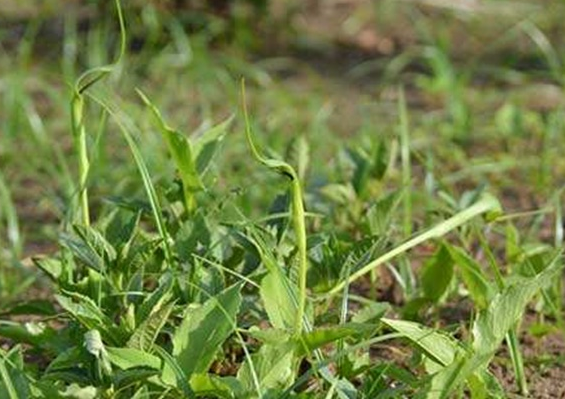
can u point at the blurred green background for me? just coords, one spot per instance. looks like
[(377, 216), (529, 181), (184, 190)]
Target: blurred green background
[(483, 80)]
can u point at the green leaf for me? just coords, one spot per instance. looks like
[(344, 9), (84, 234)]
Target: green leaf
[(96, 241), (439, 347), (507, 307), (172, 370), (33, 333), (75, 391), (159, 296), (67, 359), (380, 214), (126, 358), (145, 335), (40, 307), (437, 274), (209, 385), (121, 228), (181, 151), (127, 126), (477, 283), (278, 297), (140, 254), (126, 378), (486, 204), (312, 340), (83, 252), (13, 382), (53, 268), (206, 145), (274, 367), (86, 312), (204, 329), (490, 327)]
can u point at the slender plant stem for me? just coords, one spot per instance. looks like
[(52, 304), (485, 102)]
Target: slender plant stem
[(79, 133), (300, 232), (298, 213)]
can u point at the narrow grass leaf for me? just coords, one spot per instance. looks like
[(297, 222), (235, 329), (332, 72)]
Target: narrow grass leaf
[(8, 212), (171, 370), (13, 382), (487, 204)]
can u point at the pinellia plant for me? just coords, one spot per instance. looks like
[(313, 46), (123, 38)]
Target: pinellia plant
[(182, 294)]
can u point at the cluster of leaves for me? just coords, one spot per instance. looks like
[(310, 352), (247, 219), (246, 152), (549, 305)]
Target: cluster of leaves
[(173, 296), (177, 309)]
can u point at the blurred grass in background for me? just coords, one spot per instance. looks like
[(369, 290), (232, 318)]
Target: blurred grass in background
[(484, 82)]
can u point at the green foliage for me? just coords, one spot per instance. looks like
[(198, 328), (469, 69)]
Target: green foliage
[(191, 273)]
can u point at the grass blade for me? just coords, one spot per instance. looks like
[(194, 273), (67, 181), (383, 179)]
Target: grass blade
[(486, 204)]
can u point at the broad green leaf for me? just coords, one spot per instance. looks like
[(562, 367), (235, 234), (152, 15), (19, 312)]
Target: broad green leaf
[(67, 360), (480, 289), (312, 340), (438, 346), (140, 254), (145, 335), (87, 313), (279, 300), (83, 252), (96, 241), (279, 295), (126, 378), (371, 313), (270, 336), (507, 307), (34, 333), (40, 307), (437, 274), (126, 358), (204, 329), (121, 228), (274, 365), (209, 385), (53, 268)]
